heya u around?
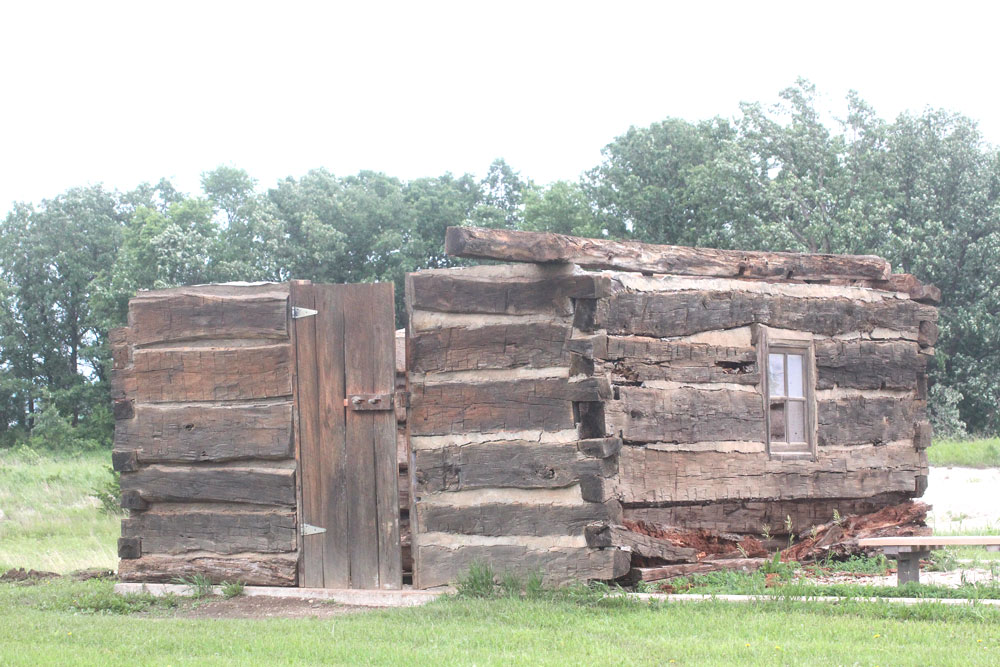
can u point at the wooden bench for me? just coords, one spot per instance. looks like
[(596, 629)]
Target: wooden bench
[(909, 550)]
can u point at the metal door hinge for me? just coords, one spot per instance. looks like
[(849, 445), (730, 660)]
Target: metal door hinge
[(309, 529), (298, 312)]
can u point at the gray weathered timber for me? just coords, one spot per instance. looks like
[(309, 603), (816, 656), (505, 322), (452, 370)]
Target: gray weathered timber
[(639, 359), (516, 246), (182, 434), (206, 483), (457, 294), (685, 414), (120, 342), (922, 436), (129, 547), (438, 565), (210, 312), (868, 364), (860, 420), (251, 569), (226, 530), (751, 517), (682, 313), (601, 448), (531, 345), (498, 406), (899, 282), (499, 519), (663, 476), (517, 464), (207, 374), (611, 535)]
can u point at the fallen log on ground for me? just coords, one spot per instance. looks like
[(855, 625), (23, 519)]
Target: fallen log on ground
[(638, 574)]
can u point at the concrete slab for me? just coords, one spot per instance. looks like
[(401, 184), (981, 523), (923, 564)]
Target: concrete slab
[(354, 597)]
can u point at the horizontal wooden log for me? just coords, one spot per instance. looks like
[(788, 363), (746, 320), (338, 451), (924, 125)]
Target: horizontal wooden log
[(124, 461), (860, 420), (703, 567), (638, 359), (453, 293), (203, 483), (500, 519), (221, 531), (865, 364), (438, 565), (517, 464), (131, 500), (898, 282), (498, 406), (609, 535), (516, 246), (923, 435), (206, 374), (601, 448), (928, 333), (651, 475), (251, 569), (129, 547), (685, 414), (531, 345), (752, 517), (686, 312), (120, 342), (210, 312), (184, 434)]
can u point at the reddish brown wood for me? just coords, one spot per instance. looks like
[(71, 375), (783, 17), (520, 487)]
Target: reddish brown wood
[(516, 246)]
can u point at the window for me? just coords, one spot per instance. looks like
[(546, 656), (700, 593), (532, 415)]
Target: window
[(788, 396)]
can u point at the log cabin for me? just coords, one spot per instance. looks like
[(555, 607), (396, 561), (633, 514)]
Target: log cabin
[(281, 434)]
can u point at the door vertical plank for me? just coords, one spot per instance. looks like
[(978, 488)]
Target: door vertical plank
[(332, 435), (362, 515), (390, 565), (308, 446)]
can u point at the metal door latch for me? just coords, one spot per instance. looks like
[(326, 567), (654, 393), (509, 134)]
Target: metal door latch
[(369, 402)]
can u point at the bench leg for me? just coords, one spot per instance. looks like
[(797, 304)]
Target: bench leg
[(908, 566)]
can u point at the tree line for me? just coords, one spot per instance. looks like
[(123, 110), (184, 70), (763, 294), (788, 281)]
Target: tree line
[(922, 190)]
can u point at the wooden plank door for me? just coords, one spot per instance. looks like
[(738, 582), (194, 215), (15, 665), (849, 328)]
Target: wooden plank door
[(346, 435)]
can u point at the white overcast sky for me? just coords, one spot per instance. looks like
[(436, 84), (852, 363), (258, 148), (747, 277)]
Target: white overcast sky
[(120, 93)]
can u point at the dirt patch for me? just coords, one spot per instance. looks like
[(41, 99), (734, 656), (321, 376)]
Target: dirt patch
[(244, 606), (19, 574)]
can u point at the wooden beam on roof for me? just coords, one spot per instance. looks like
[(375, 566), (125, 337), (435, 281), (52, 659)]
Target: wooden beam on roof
[(543, 248)]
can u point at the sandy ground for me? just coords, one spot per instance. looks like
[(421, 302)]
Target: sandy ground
[(963, 499)]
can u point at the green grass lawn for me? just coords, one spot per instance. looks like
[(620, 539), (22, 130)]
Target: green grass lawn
[(965, 453), (50, 518), (50, 623)]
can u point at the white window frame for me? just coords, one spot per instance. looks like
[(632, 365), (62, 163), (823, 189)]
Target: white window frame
[(768, 343)]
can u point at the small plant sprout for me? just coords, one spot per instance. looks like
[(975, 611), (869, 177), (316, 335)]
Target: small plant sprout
[(765, 532), (788, 529), (232, 589), (837, 519), (199, 585)]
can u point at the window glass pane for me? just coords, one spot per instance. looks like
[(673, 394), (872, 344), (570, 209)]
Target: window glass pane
[(796, 375), (796, 420), (777, 422), (776, 374)]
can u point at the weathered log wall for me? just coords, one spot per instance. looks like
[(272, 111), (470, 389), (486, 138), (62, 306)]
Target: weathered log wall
[(515, 369), (202, 384), (682, 355), (501, 418)]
